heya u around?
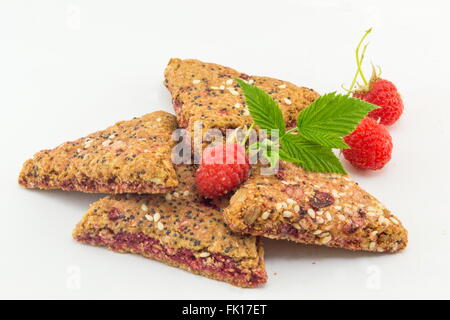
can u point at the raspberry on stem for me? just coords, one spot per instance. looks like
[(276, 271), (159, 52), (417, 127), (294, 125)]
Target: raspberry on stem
[(377, 91)]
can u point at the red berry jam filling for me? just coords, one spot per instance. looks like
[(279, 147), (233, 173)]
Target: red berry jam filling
[(220, 265)]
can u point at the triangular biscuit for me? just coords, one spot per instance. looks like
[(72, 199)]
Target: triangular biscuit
[(179, 229), (130, 156), (314, 208), (206, 92)]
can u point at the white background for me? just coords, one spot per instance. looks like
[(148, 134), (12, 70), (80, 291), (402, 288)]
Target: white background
[(68, 68)]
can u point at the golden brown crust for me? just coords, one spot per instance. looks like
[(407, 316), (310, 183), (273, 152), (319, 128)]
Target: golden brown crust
[(206, 92), (177, 223), (130, 156), (314, 208)]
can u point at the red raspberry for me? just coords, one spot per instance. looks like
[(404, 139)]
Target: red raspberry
[(382, 93), (370, 145), (223, 168)]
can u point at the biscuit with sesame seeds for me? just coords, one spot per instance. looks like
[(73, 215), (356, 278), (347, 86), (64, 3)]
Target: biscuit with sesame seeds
[(207, 92), (185, 232), (314, 208), (130, 156)]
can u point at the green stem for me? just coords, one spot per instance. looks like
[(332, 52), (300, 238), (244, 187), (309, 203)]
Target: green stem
[(290, 130), (247, 134), (359, 61)]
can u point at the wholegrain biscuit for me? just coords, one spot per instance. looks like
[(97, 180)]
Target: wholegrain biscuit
[(130, 156), (206, 92), (180, 229), (314, 208)]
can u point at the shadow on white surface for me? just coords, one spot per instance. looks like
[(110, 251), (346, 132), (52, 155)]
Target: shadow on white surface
[(69, 198), (287, 250)]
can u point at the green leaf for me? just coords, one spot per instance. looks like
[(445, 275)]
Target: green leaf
[(325, 140), (309, 155), (264, 110), (331, 117)]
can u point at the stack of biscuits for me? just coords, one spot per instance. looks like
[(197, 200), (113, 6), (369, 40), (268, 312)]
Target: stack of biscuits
[(154, 209)]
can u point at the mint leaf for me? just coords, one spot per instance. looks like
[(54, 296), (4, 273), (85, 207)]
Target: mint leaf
[(309, 155), (331, 117), (264, 110)]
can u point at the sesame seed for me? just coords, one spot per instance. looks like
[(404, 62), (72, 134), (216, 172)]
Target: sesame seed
[(168, 197), (282, 86), (325, 234), (279, 206), (297, 208), (87, 144), (156, 217), (329, 217), (186, 193), (158, 119), (251, 81), (176, 194), (196, 81), (144, 207), (320, 220), (287, 214), (246, 112), (325, 240), (106, 143), (395, 221), (304, 224), (265, 215), (291, 201), (296, 226), (160, 225), (204, 254), (112, 136), (238, 105), (233, 91), (214, 88), (373, 234), (148, 217), (229, 82), (311, 213), (372, 245), (341, 217), (317, 232), (287, 101), (222, 87), (339, 208)]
